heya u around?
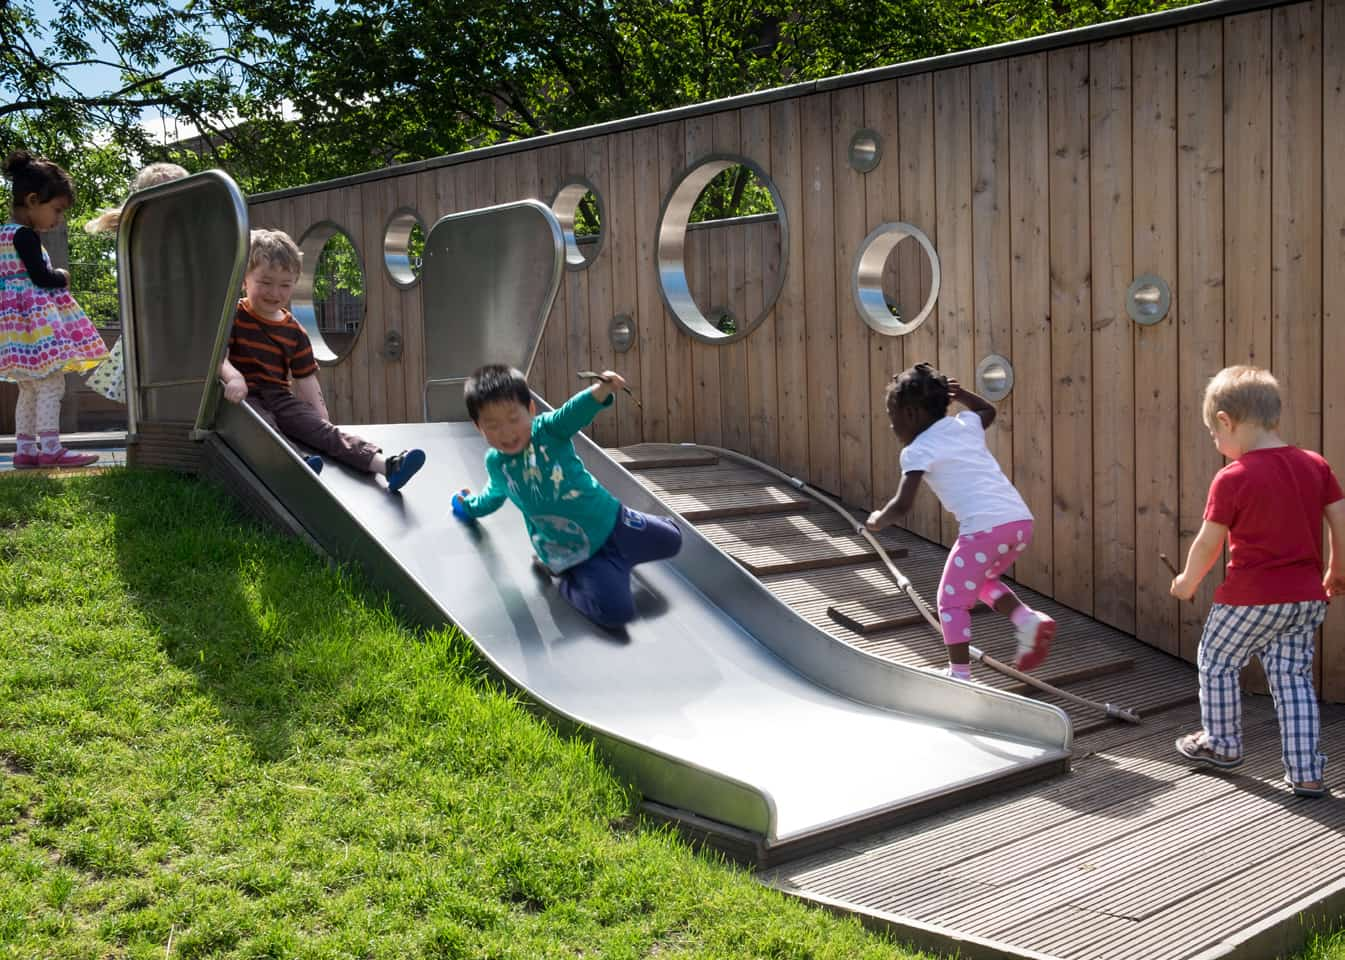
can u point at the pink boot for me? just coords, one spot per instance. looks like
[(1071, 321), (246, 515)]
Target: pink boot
[(66, 458)]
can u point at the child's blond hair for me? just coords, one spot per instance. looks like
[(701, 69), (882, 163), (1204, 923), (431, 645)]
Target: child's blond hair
[(274, 248), (150, 176), (1247, 394)]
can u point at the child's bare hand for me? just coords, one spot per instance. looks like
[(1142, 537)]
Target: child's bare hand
[(876, 521), (1334, 583), (955, 390), (460, 505), (613, 379), (235, 390), (1183, 587)]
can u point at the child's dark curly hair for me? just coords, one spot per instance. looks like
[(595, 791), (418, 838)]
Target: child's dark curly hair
[(31, 174), (921, 387)]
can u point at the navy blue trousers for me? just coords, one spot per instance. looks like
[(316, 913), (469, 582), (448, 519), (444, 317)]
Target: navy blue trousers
[(599, 588)]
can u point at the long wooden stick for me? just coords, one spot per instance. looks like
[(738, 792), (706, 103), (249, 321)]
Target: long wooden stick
[(902, 581)]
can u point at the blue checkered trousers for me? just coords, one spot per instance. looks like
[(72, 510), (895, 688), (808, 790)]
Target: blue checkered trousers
[(1281, 634)]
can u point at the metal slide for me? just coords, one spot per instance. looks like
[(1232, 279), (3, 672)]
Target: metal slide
[(728, 711)]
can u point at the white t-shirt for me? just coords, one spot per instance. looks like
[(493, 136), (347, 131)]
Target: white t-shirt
[(964, 476)]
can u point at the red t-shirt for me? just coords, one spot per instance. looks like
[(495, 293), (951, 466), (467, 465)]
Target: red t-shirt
[(1271, 501)]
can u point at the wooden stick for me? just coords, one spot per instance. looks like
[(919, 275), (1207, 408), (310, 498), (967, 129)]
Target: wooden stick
[(593, 375)]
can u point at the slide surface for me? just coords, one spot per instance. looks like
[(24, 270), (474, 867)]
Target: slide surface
[(703, 713)]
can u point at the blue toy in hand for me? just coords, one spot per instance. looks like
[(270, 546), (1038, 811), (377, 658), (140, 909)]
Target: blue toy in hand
[(460, 507)]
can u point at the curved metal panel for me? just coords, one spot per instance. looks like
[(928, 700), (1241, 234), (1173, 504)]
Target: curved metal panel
[(181, 252), (488, 280)]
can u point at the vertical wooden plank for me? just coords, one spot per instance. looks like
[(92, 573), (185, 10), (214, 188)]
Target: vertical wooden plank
[(1296, 219), (731, 262), (882, 201), (1296, 224), (413, 324), (528, 186), (1113, 336), (915, 104), (1247, 186), (1200, 279), (625, 257), (706, 401), (789, 317), (763, 266), (1071, 323), (601, 356), (852, 334), (991, 259), (369, 382), (1158, 392), (390, 391), (952, 154), (1331, 685), (680, 379), (574, 288), (560, 381), (1029, 211), (651, 324), (347, 208), (819, 290)]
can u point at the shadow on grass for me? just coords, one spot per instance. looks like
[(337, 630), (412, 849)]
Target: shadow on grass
[(264, 626)]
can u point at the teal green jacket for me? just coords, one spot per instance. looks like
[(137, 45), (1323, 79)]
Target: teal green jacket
[(568, 513)]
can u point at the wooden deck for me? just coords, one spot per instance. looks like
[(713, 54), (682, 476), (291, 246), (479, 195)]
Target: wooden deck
[(1133, 854)]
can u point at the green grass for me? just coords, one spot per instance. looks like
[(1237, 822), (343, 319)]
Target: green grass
[(211, 742)]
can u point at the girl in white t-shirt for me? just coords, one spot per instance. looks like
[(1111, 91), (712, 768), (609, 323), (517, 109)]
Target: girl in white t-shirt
[(994, 524)]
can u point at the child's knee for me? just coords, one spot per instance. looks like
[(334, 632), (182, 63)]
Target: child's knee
[(612, 611)]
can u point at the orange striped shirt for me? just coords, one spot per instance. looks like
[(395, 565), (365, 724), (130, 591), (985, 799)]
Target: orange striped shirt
[(269, 352)]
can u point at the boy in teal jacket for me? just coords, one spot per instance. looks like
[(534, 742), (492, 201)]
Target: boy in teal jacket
[(581, 533)]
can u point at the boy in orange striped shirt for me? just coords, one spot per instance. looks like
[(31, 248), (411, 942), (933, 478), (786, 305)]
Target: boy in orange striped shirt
[(269, 351)]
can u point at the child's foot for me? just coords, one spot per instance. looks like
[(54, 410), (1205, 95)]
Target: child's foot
[(403, 467), (315, 462), (958, 671), (66, 458), (26, 461), (1307, 788), (1196, 746), (1034, 634)]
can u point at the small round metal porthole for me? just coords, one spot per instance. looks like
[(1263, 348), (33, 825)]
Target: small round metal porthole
[(866, 150), (622, 332), (1148, 299), (994, 377)]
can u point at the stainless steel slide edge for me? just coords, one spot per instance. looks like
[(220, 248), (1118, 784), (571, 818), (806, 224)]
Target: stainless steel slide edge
[(340, 532), (824, 659)]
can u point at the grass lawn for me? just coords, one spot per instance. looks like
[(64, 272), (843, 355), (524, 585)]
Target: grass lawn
[(211, 742), (213, 745)]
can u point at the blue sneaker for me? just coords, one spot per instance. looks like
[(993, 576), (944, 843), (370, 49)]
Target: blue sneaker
[(315, 463), (403, 467)]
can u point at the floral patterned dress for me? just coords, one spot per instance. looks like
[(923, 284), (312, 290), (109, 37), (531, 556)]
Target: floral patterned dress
[(42, 331)]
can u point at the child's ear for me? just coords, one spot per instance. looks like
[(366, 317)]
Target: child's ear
[(532, 407)]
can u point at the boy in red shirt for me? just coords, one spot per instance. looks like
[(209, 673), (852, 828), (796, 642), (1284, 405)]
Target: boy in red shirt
[(1269, 503)]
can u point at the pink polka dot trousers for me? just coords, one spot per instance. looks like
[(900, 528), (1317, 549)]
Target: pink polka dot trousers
[(972, 573)]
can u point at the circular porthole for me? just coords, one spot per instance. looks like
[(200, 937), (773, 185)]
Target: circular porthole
[(994, 377), (328, 300), (578, 207), (728, 197), (1148, 299), (403, 246), (866, 149), (622, 332), (881, 311)]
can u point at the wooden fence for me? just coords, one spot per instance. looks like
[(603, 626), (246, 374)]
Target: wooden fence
[(1201, 146)]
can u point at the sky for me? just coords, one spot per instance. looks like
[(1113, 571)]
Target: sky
[(99, 79)]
